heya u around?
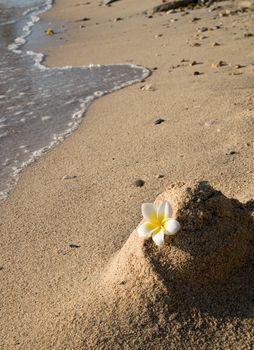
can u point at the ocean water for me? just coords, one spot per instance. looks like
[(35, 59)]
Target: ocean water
[(40, 106)]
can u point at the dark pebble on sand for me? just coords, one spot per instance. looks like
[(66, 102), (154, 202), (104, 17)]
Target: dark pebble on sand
[(159, 176), (231, 152), (74, 245), (139, 183), (83, 19), (159, 121), (69, 177), (196, 73), (248, 35)]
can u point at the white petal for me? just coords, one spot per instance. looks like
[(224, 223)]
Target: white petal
[(158, 238), (149, 212), (165, 211), (146, 229), (171, 226)]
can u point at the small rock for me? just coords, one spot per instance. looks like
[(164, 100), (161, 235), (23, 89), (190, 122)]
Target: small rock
[(72, 245), (148, 87), (215, 44), (159, 121), (118, 19), (196, 73), (173, 20), (158, 35), (195, 19), (139, 183), (170, 11), (219, 64), (82, 26), (248, 35), (69, 177), (193, 63), (84, 19), (238, 66), (202, 29), (230, 152), (159, 176), (196, 44), (236, 73), (251, 120), (210, 122), (215, 27), (223, 14)]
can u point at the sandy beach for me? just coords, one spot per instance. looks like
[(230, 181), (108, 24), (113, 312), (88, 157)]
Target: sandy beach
[(60, 264)]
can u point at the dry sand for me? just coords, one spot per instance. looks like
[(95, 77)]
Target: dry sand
[(54, 296)]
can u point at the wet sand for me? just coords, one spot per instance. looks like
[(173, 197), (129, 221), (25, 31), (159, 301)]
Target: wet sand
[(58, 234)]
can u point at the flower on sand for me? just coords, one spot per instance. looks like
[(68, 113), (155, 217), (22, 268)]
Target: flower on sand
[(158, 222)]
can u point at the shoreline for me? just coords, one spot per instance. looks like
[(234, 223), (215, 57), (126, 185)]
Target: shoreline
[(23, 44), (206, 116)]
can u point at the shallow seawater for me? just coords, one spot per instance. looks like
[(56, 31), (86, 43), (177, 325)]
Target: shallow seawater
[(40, 106)]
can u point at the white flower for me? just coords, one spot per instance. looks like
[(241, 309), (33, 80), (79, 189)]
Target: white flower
[(158, 222)]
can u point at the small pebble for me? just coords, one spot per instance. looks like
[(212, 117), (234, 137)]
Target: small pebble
[(159, 176), (223, 14), (139, 183), (218, 64), (238, 66), (248, 35), (230, 152), (170, 11), (193, 63), (69, 177), (202, 29), (85, 19), (118, 19), (215, 44), (148, 87), (159, 121), (72, 245), (196, 73), (195, 19)]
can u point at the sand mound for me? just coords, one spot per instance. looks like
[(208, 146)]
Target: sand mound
[(193, 292)]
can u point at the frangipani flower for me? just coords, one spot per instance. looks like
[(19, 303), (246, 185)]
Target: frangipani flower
[(158, 222)]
